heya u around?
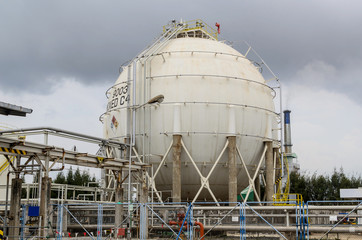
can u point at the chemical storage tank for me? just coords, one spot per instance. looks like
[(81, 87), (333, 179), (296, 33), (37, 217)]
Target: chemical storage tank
[(211, 92)]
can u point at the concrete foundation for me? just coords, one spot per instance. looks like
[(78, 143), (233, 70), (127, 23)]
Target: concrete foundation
[(176, 169), (44, 205), (65, 221), (144, 199), (233, 170), (118, 218), (15, 203)]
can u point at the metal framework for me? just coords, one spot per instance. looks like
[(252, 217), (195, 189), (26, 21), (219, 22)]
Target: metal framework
[(202, 220), (30, 157), (11, 109)]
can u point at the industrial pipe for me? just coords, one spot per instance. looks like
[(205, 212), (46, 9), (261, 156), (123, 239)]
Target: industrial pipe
[(202, 230), (63, 163), (57, 130), (265, 228), (287, 132)]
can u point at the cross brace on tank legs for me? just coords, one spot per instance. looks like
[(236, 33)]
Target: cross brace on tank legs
[(251, 180), (150, 179), (205, 180)]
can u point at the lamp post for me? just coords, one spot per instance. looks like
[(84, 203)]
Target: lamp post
[(157, 99)]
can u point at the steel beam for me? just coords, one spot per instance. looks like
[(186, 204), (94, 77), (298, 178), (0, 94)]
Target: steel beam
[(70, 157)]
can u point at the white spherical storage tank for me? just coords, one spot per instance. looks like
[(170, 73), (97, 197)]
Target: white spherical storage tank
[(211, 92)]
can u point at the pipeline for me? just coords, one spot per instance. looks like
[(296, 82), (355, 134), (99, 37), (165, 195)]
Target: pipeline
[(202, 230)]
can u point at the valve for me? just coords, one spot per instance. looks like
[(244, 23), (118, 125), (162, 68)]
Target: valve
[(218, 27)]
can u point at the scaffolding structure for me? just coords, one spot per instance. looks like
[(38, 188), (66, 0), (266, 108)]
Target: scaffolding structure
[(28, 158), (103, 212)]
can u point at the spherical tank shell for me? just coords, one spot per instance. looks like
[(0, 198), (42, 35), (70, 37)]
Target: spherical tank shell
[(211, 91)]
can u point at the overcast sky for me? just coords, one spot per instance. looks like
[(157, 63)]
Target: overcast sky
[(59, 57)]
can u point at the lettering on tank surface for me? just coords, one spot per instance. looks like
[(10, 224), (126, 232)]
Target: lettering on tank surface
[(119, 97)]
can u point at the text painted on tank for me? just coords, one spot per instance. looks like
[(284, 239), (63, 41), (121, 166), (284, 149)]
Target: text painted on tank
[(120, 96)]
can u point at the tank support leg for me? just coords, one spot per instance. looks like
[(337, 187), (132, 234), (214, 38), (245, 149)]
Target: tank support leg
[(233, 174), (14, 216), (119, 206), (151, 180), (176, 169), (252, 180), (44, 205), (205, 180), (269, 159), (144, 200)]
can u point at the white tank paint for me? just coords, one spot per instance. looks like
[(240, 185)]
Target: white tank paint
[(211, 91)]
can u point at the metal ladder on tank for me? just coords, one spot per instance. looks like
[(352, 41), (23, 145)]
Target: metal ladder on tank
[(146, 54), (161, 41)]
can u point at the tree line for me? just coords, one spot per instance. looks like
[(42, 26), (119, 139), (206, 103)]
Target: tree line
[(77, 178), (322, 187)]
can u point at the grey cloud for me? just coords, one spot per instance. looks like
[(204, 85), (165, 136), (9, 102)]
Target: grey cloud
[(344, 78), (89, 40)]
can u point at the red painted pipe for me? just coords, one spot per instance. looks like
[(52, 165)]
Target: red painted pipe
[(202, 231)]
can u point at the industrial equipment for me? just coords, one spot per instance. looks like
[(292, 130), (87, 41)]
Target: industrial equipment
[(211, 92)]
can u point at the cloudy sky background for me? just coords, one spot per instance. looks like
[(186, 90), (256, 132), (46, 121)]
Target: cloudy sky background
[(59, 57)]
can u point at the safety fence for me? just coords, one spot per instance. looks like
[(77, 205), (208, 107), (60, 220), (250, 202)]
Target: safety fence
[(251, 220)]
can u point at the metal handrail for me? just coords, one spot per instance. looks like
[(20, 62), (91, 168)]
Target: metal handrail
[(191, 25), (51, 130)]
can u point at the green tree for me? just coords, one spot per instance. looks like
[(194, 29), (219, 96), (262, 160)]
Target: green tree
[(300, 183), (322, 187), (356, 182), (60, 178), (70, 177), (78, 179), (23, 190)]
